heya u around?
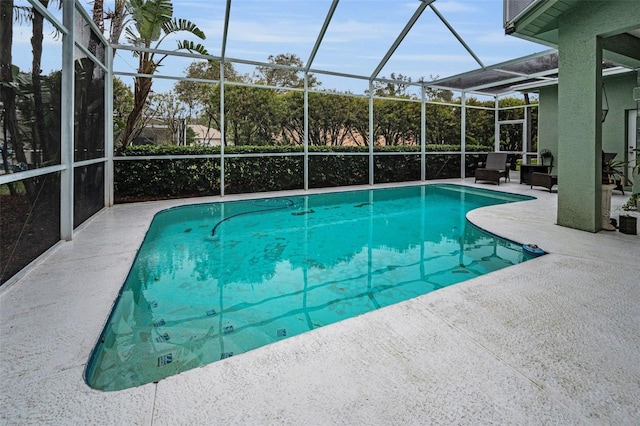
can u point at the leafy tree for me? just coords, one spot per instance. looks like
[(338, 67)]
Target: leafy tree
[(397, 122), (122, 105), (398, 88), (360, 124), (196, 94), (293, 117), (480, 122), (435, 94), (167, 108), (511, 135), (253, 116), (442, 124), (190, 136), (154, 22), (394, 122), (332, 119), (285, 77)]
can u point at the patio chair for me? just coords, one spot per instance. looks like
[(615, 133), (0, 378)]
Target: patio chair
[(495, 168), (543, 179)]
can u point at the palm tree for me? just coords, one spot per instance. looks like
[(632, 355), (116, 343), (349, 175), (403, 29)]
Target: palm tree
[(98, 14), (118, 18), (7, 87), (35, 89), (153, 21), (36, 79)]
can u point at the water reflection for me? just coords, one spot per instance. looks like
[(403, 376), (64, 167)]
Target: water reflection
[(314, 235)]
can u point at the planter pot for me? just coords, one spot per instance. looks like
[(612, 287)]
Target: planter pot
[(628, 224), (606, 208)]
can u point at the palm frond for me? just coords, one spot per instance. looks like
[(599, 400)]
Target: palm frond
[(192, 47), (150, 17), (157, 12), (176, 25), (131, 36)]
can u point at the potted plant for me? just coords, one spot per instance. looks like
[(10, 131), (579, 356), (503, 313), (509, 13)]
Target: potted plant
[(611, 178), (628, 222), (632, 203), (547, 156), (618, 169)]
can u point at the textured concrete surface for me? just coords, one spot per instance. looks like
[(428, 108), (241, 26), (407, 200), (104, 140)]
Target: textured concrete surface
[(552, 341)]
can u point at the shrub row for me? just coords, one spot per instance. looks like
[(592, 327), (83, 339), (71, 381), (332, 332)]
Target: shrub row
[(246, 171)]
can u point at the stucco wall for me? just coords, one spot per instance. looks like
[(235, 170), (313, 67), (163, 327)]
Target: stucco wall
[(548, 122), (618, 89), (579, 108), (619, 92)]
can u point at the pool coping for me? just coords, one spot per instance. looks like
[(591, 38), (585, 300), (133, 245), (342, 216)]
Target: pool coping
[(550, 340)]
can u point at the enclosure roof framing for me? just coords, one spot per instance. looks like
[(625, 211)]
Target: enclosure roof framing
[(323, 31), (487, 80), (521, 74), (403, 34)]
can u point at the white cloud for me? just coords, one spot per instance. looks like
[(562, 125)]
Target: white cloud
[(351, 31), (434, 58), (455, 6), (268, 32)]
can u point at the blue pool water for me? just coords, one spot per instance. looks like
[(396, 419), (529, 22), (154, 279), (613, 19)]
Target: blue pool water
[(212, 281)]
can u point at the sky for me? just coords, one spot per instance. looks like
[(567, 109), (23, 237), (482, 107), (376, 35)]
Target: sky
[(359, 35)]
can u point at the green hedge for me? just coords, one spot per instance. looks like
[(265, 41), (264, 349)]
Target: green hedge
[(137, 180)]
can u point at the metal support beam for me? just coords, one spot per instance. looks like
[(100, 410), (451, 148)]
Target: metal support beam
[(306, 132), (463, 135), (496, 124), (403, 34), (453, 31), (223, 54), (222, 130), (371, 135), (323, 31), (423, 133), (108, 131), (225, 33), (67, 122)]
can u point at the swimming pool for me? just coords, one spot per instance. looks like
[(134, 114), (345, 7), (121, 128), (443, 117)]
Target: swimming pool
[(215, 280)]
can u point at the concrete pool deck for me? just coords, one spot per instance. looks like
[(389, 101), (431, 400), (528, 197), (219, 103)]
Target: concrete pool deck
[(555, 340)]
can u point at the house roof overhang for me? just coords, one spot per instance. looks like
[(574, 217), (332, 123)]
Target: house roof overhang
[(538, 22), (525, 74), (500, 78)]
